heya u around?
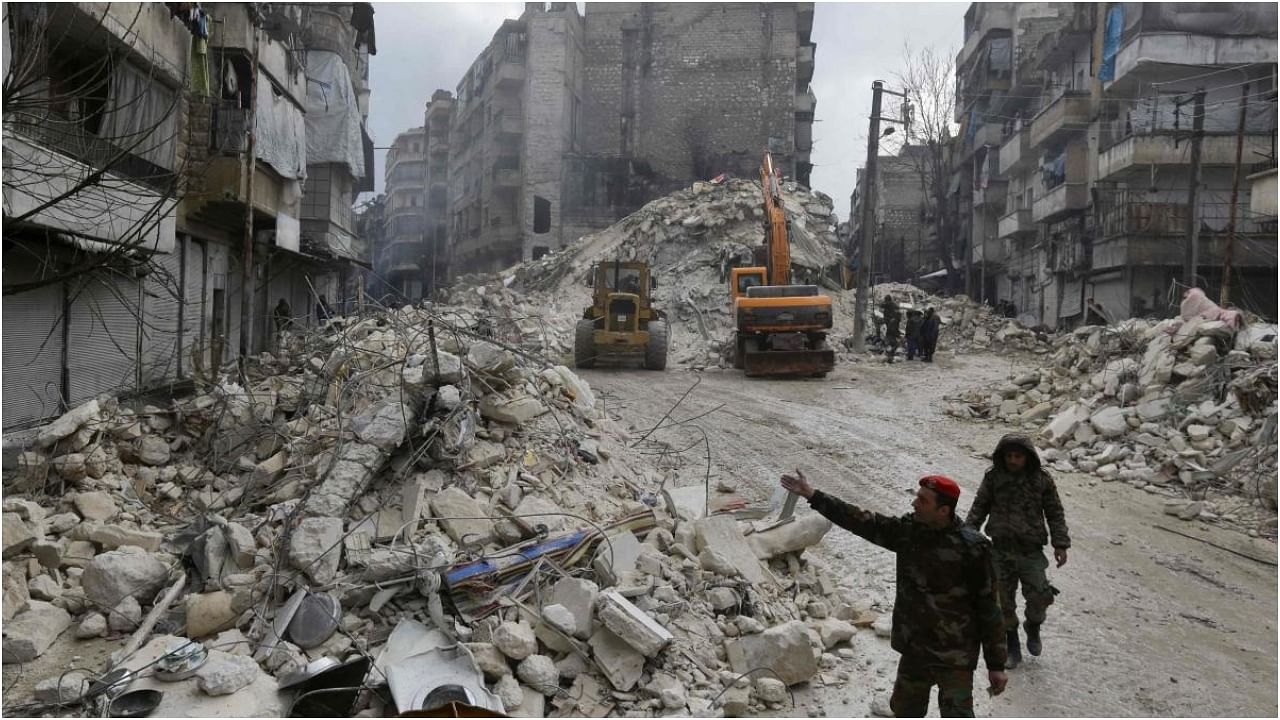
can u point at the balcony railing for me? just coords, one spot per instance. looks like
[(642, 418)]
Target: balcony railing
[(1015, 153), (1016, 224), (1068, 114)]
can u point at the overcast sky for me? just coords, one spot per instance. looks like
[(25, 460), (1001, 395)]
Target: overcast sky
[(425, 46)]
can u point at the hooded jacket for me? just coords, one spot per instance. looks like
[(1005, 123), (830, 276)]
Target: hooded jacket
[(1016, 506)]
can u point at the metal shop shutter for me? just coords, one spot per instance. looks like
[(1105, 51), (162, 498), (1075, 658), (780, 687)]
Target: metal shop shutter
[(32, 334), (102, 348), (164, 292)]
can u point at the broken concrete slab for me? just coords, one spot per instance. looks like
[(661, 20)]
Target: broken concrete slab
[(631, 624), (385, 425), (462, 517), (621, 665), (16, 592), (784, 649), (721, 533), (112, 537), (315, 547), (1109, 422), (414, 502), (32, 631), (69, 423), (355, 465), (95, 506), (224, 673), (514, 411), (616, 556), (17, 535), (833, 631), (802, 532), (578, 596)]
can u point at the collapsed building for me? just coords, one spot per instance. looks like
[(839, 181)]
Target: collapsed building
[(392, 501), (565, 123)]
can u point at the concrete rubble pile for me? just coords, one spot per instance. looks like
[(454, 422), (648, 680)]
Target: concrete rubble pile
[(1184, 407), (391, 502), (965, 325), (690, 238)]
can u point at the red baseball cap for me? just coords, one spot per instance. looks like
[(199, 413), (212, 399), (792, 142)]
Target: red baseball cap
[(942, 485)]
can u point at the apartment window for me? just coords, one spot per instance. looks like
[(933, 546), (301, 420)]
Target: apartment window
[(541, 215)]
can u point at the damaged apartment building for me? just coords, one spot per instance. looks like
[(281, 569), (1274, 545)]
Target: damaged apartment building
[(1074, 168), (157, 155), (567, 122)]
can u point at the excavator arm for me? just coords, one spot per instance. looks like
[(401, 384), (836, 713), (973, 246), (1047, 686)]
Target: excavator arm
[(781, 328), (778, 245)]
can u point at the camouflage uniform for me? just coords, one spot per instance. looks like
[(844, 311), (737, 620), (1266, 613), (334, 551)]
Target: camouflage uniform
[(1015, 508), (946, 608)]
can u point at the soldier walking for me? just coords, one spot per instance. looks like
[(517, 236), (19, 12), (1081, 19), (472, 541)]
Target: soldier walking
[(946, 608), (1016, 498)]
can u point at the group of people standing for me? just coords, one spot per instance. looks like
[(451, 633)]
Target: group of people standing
[(921, 331)]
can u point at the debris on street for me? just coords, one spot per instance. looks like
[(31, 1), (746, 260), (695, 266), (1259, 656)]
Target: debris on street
[(402, 491), (1185, 407)]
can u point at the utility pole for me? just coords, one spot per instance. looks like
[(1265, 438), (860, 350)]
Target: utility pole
[(250, 169), (1193, 235), (1235, 195), (861, 278)]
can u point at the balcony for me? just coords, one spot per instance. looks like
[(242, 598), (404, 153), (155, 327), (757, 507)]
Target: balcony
[(1015, 153), (510, 126), (1016, 224), (510, 76), (992, 195), (805, 103), (1064, 117), (994, 16), (1133, 156), (1059, 201), (1158, 56), (804, 63), (804, 136), (988, 134)]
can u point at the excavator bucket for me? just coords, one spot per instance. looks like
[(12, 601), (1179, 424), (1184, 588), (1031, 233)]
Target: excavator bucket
[(766, 363)]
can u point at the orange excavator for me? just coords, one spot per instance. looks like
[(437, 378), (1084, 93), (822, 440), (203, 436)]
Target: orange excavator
[(781, 328)]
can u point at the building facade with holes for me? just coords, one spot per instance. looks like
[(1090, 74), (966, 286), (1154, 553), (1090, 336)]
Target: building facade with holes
[(125, 196)]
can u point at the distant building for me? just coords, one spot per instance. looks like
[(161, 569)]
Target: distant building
[(1073, 162), (566, 123)]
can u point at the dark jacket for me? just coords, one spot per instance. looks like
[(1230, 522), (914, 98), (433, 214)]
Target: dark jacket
[(947, 605), (1016, 507), (929, 328), (914, 322)]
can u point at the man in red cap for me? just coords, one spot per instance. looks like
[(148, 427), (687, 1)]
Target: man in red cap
[(947, 606)]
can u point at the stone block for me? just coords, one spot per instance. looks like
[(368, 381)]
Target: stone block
[(32, 631), (631, 624), (784, 649)]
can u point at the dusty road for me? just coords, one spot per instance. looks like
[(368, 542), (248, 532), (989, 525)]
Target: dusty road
[(1148, 623)]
